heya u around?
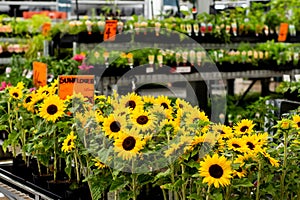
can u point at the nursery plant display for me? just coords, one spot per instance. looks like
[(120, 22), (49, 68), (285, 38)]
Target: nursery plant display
[(133, 146)]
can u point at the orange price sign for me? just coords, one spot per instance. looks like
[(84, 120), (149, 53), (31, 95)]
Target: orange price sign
[(283, 31), (46, 28), (69, 84), (110, 30), (39, 74)]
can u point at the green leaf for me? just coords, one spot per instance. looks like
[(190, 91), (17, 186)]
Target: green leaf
[(163, 174), (119, 183), (194, 196), (125, 195), (217, 196), (144, 179), (242, 183), (3, 127)]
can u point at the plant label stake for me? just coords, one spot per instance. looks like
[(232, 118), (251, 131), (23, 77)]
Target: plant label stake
[(110, 30)]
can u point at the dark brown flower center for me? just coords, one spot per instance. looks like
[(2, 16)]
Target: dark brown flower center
[(298, 124), (15, 94), (130, 104), (115, 126), (236, 145), (52, 109), (221, 132), (142, 120), (45, 92), (244, 129), (69, 142), (196, 119), (215, 171), (164, 105), (239, 169), (250, 145), (129, 143), (28, 99), (180, 105)]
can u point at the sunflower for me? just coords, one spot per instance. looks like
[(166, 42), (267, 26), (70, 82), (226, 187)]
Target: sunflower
[(148, 100), (245, 126), (28, 102), (252, 144), (68, 143), (262, 138), (45, 91), (222, 130), (236, 144), (285, 124), (205, 138), (163, 101), (216, 170), (99, 164), (160, 112), (195, 115), (170, 125), (15, 93), (143, 120), (52, 108), (296, 120), (20, 85), (172, 149), (76, 98), (128, 144), (131, 100), (242, 159), (182, 104), (113, 124), (54, 85), (99, 116), (273, 161), (240, 172)]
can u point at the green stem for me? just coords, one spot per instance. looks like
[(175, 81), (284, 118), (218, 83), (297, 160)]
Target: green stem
[(258, 179), (198, 189), (228, 191), (76, 166), (10, 127), (207, 193), (282, 186), (134, 186), (55, 158), (183, 185), (173, 180), (172, 167), (39, 166), (134, 181), (164, 194)]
